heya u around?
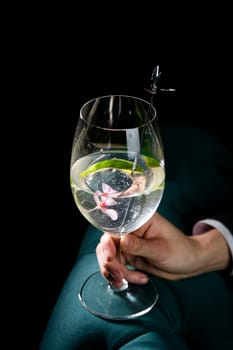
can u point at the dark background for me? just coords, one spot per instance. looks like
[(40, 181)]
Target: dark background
[(52, 226)]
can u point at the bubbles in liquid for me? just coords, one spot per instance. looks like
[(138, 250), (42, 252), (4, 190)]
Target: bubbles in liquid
[(116, 179), (127, 209), (116, 200)]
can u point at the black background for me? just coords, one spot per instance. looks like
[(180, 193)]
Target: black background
[(49, 227), (55, 59)]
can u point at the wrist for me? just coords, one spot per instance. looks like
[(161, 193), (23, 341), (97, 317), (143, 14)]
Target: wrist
[(214, 252)]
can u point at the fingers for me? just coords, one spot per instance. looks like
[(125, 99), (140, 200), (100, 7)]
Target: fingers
[(110, 267), (115, 273), (134, 276), (113, 269), (147, 248), (106, 249)]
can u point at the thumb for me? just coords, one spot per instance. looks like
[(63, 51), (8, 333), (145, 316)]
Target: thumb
[(133, 245)]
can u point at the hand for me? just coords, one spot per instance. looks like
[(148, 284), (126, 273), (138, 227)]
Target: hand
[(160, 248)]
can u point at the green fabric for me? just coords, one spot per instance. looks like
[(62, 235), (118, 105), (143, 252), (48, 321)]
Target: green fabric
[(195, 313)]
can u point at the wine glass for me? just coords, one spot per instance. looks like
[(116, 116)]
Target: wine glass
[(117, 176)]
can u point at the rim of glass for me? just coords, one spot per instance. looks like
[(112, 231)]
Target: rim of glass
[(149, 104)]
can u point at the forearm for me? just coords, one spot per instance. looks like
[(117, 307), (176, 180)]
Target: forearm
[(214, 253)]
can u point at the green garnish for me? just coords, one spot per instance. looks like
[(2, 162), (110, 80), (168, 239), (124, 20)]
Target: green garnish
[(122, 164), (151, 162), (112, 163)]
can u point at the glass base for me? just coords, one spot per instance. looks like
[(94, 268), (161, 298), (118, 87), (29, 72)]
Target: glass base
[(97, 296)]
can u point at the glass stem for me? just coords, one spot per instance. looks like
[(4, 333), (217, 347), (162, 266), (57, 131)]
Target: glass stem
[(119, 289), (124, 285)]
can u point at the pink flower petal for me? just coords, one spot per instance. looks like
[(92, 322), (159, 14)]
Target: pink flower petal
[(108, 201), (102, 200), (110, 213), (107, 189), (96, 198)]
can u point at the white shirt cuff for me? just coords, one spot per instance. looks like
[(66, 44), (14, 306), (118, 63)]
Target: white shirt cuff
[(205, 225)]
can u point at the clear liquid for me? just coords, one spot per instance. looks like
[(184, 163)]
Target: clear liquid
[(117, 200)]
